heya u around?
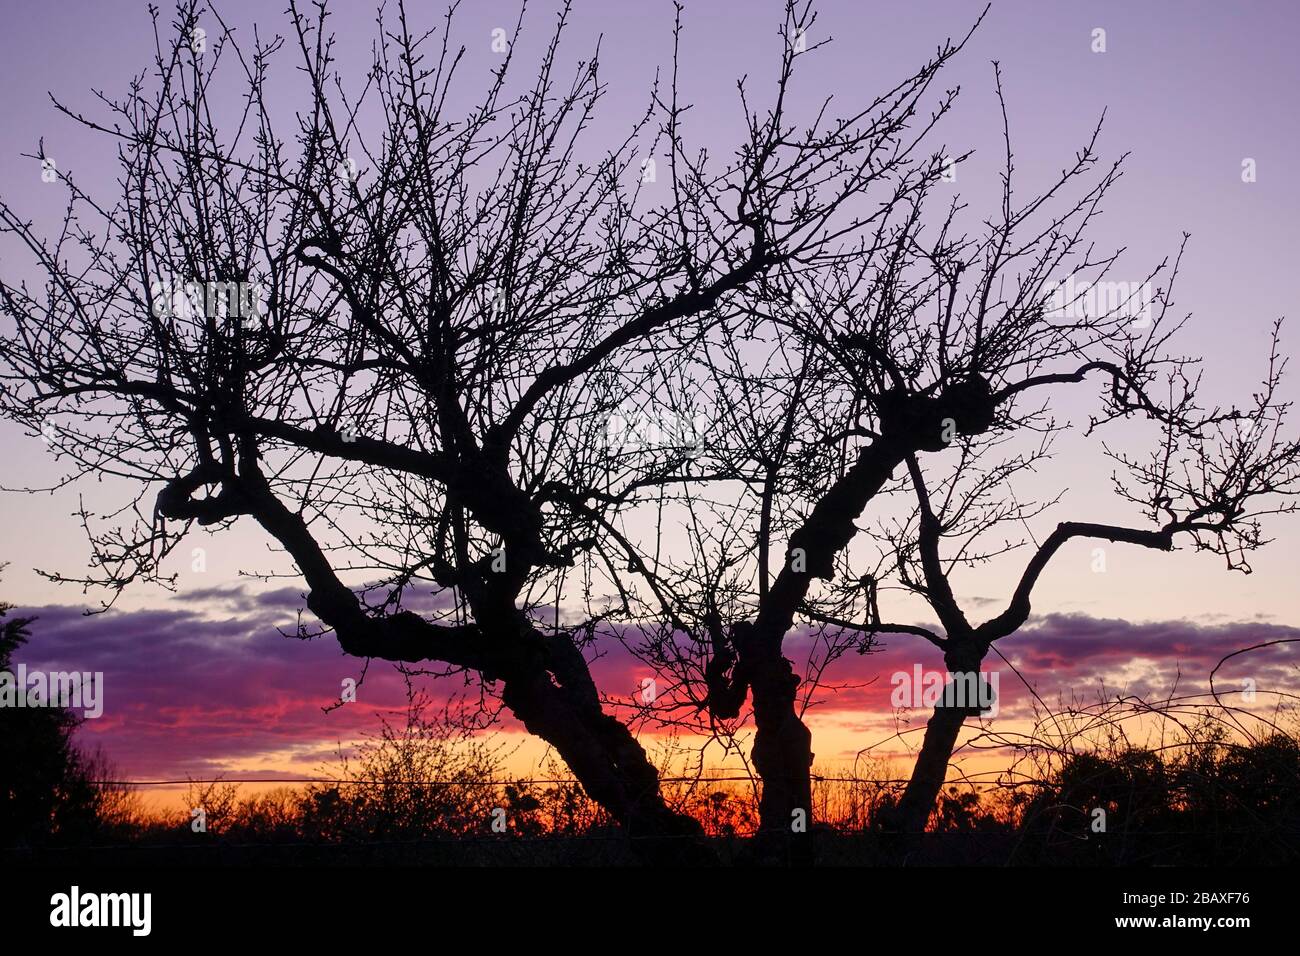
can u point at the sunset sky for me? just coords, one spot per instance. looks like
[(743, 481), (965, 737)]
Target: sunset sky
[(201, 681)]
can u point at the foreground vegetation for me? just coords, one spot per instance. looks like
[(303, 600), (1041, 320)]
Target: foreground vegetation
[(428, 792)]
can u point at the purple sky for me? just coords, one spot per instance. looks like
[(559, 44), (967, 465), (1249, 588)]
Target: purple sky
[(1191, 89)]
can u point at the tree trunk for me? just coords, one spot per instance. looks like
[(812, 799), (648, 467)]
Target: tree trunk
[(907, 821), (782, 743), (914, 809), (783, 758), (612, 767)]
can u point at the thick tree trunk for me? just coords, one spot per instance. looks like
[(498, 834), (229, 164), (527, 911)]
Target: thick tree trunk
[(783, 758), (782, 743), (547, 685), (909, 818), (610, 764), (914, 809)]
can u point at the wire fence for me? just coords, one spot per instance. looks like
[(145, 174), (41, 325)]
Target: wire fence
[(969, 780), (514, 781)]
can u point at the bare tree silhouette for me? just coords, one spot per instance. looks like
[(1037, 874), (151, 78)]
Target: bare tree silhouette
[(390, 331), (931, 345), (1210, 479), (393, 331)]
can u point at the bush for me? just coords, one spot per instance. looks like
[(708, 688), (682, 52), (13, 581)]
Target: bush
[(48, 794)]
